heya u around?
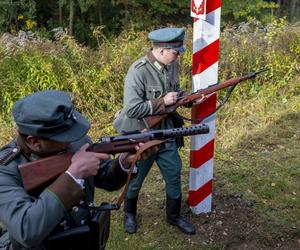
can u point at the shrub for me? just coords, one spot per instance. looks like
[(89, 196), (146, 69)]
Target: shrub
[(95, 77)]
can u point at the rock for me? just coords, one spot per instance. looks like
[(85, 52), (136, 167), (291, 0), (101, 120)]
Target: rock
[(58, 33)]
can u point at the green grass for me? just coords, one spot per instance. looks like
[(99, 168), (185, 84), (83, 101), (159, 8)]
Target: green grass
[(264, 162)]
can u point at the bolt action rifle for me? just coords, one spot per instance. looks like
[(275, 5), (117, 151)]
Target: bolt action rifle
[(40, 172), (153, 120)]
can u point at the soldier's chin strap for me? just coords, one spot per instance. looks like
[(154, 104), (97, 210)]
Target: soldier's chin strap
[(117, 205), (225, 99)]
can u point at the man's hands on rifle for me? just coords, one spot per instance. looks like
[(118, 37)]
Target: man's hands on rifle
[(170, 98), (86, 164)]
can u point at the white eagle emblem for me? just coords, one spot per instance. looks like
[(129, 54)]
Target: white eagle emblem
[(198, 4)]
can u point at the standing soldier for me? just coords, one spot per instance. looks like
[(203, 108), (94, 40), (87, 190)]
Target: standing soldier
[(58, 216), (151, 85)]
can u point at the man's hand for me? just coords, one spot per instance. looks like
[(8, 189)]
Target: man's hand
[(170, 98), (127, 158), (85, 164)]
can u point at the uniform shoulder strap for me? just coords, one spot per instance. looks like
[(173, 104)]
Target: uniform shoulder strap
[(140, 64), (9, 152)]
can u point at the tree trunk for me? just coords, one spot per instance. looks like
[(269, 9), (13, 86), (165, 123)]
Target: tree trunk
[(100, 15), (293, 8), (278, 11), (60, 13), (126, 11), (71, 17), (10, 18)]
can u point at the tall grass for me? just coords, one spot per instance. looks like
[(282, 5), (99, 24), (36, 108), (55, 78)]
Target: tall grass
[(95, 77)]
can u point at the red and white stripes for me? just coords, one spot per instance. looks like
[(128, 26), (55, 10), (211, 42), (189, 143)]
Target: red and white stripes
[(205, 72)]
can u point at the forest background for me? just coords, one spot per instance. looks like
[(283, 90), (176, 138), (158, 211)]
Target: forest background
[(86, 48)]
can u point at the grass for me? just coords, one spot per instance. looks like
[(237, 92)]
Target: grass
[(264, 164)]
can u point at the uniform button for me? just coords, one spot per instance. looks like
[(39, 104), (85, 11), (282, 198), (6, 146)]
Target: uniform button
[(64, 224), (75, 209), (15, 150), (82, 222)]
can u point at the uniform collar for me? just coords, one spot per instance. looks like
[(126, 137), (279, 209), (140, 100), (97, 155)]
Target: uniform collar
[(159, 66)]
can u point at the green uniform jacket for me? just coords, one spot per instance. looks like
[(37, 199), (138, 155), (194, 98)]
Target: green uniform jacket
[(30, 218), (146, 82)]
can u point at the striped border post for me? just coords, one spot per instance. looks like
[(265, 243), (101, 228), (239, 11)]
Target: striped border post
[(206, 44)]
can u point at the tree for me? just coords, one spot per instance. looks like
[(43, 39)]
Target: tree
[(234, 11), (13, 14), (289, 8)]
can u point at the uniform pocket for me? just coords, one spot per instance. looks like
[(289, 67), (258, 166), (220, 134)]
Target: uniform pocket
[(153, 92)]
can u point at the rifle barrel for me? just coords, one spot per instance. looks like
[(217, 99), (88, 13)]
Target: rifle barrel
[(160, 134)]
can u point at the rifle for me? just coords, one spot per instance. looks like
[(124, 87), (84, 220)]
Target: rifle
[(153, 120), (40, 172)]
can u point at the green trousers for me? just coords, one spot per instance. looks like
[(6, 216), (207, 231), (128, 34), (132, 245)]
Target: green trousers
[(169, 163)]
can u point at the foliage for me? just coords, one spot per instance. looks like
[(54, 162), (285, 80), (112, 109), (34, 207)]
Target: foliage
[(16, 15), (234, 11), (158, 13), (251, 46), (289, 9), (79, 17), (95, 77)]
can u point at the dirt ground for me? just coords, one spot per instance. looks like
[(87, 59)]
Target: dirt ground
[(232, 224)]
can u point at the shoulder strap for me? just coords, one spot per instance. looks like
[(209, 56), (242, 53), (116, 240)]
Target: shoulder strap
[(146, 146), (9, 154), (117, 205)]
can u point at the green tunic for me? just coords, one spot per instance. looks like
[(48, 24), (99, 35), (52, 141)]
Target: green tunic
[(31, 218), (146, 82)]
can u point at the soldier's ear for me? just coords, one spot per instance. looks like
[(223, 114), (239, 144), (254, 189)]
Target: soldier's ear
[(161, 51), (33, 142)]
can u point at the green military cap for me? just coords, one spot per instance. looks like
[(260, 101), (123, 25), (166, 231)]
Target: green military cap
[(168, 38), (49, 114)]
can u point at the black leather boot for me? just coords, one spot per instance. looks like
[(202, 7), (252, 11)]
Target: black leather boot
[(173, 216), (130, 224)]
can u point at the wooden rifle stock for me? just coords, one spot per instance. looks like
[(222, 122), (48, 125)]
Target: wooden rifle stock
[(153, 120), (36, 173)]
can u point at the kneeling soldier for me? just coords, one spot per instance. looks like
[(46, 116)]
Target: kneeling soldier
[(47, 125)]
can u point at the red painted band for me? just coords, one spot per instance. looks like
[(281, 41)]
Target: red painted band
[(212, 5), (202, 155), (205, 108), (205, 57), (195, 197)]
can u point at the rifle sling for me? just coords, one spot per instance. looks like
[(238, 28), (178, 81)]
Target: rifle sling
[(117, 205), (225, 99), (146, 146)]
